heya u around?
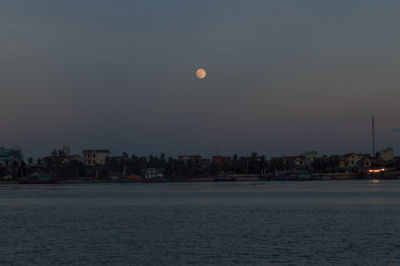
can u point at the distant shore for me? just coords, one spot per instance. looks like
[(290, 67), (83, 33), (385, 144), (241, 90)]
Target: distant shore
[(239, 178)]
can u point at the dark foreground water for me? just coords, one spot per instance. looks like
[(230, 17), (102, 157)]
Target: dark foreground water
[(258, 223)]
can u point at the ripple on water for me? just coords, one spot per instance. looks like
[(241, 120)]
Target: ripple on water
[(277, 223)]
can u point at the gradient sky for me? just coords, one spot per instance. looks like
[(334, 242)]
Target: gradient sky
[(283, 76)]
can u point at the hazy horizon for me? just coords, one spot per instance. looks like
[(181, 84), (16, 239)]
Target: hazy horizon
[(284, 77)]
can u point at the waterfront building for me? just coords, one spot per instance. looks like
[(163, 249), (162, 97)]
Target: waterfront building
[(290, 161), (338, 160), (296, 161), (310, 155), (70, 158), (66, 150), (95, 157), (353, 159), (386, 155), (365, 162), (186, 158), (221, 159), (152, 173)]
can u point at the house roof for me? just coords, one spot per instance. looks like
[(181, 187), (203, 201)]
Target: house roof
[(189, 156), (100, 151), (358, 154), (69, 157), (218, 157), (293, 157)]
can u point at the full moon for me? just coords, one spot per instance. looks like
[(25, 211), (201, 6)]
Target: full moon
[(201, 73)]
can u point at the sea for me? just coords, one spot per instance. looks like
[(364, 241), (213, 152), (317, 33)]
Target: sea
[(207, 223)]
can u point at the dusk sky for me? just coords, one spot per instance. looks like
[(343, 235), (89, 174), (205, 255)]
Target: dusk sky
[(284, 77)]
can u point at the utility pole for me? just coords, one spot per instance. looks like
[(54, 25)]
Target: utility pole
[(373, 137), (247, 164)]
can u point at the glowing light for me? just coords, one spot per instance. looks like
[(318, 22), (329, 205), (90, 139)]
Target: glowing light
[(376, 170)]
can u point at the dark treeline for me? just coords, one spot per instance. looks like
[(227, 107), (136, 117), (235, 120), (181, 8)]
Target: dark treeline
[(126, 164), (57, 164), (133, 165)]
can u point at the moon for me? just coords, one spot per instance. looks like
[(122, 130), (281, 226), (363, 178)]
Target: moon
[(201, 73)]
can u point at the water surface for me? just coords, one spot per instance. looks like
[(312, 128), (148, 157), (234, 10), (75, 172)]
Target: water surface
[(283, 223)]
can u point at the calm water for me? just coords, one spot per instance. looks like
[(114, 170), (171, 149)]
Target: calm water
[(257, 223)]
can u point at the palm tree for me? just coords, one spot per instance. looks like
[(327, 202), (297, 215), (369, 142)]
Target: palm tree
[(125, 156), (7, 162), (54, 153), (162, 156), (15, 168), (254, 159), (124, 161), (30, 161)]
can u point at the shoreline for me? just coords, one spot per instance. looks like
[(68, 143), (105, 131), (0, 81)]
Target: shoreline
[(200, 180)]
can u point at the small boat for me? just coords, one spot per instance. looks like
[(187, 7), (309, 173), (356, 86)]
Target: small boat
[(299, 177), (224, 178), (272, 177), (37, 179), (377, 174), (155, 179), (227, 176), (149, 175), (374, 181), (361, 176), (265, 177), (131, 179), (287, 177), (153, 175)]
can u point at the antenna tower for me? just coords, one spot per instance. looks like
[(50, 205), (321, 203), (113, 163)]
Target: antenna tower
[(373, 137)]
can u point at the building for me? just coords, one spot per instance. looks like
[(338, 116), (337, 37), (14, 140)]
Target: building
[(192, 158), (10, 154), (310, 155), (290, 161), (70, 158), (152, 173), (66, 150), (221, 159), (352, 159), (386, 155), (95, 157), (365, 162), (297, 161), (337, 161)]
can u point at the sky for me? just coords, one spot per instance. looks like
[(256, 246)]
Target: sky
[(284, 76)]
